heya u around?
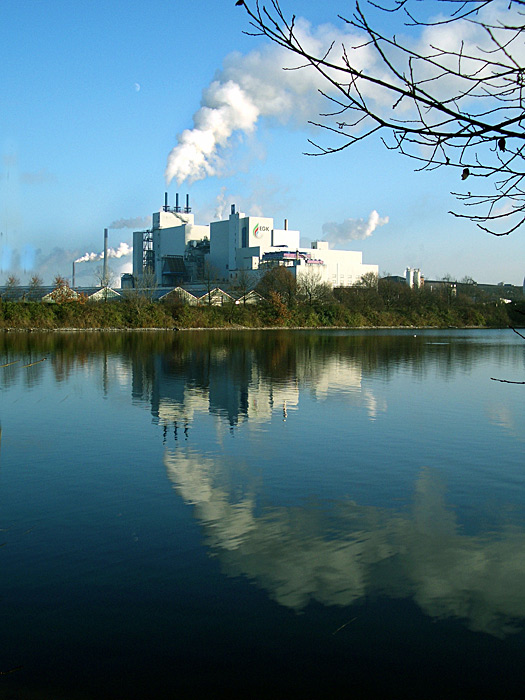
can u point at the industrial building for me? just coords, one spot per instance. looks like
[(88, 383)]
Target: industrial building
[(176, 251), (414, 278)]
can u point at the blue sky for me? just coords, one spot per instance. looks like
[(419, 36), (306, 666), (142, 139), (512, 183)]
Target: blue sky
[(95, 95)]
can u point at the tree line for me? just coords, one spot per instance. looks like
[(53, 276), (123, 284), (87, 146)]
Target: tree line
[(285, 302), (383, 302)]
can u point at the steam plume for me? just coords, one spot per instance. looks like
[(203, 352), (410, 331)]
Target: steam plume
[(253, 86), (122, 250), (250, 87), (137, 223), (352, 229)]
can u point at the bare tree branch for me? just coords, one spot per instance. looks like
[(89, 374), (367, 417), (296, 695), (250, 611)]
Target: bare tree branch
[(455, 106)]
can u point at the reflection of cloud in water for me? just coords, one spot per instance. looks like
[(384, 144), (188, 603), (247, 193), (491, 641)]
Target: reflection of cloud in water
[(194, 479), (337, 374), (292, 552), (502, 415), (341, 376)]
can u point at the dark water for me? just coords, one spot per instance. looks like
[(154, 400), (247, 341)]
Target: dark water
[(326, 514)]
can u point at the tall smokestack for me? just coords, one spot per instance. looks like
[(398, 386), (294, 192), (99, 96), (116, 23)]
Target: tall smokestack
[(177, 208), (73, 277), (286, 224), (165, 201), (187, 209), (105, 268)]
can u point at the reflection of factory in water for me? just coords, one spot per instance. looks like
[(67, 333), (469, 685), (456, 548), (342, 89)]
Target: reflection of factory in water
[(231, 384), (226, 385)]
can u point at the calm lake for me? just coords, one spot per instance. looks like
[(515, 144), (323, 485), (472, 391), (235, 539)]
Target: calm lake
[(266, 514)]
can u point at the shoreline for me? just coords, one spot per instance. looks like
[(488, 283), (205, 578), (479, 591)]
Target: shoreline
[(243, 328)]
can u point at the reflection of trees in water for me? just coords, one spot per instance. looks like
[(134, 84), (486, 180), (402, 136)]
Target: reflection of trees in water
[(276, 351), (65, 354), (272, 356), (25, 368), (232, 368), (299, 554)]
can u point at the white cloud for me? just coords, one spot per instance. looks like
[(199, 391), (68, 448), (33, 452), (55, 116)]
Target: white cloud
[(254, 86), (338, 234), (247, 88)]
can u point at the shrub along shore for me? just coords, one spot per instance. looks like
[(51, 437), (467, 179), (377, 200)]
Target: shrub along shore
[(357, 311)]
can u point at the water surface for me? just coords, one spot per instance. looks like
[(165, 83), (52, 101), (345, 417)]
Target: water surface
[(268, 513)]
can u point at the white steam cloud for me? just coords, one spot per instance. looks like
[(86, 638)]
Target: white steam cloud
[(122, 250), (352, 229), (27, 261), (227, 108), (220, 205), (250, 87), (255, 86)]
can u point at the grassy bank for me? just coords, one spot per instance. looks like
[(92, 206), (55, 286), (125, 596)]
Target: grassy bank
[(275, 313)]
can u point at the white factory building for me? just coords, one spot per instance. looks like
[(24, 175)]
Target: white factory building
[(176, 250)]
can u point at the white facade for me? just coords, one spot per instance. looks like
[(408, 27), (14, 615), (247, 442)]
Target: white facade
[(239, 243), (172, 240), (171, 233), (341, 268)]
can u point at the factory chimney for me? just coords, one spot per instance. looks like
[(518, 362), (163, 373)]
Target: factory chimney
[(177, 208), (73, 277), (166, 201), (187, 209), (286, 224), (105, 268)]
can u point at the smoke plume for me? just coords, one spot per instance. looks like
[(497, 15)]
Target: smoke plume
[(28, 260), (139, 222), (250, 87), (254, 86), (220, 205), (122, 250), (352, 229)]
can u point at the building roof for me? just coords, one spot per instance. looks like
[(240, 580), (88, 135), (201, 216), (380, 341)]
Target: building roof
[(180, 293), (60, 294), (102, 294)]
